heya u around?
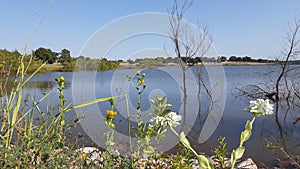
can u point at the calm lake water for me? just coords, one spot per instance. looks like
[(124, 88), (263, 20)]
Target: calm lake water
[(229, 121)]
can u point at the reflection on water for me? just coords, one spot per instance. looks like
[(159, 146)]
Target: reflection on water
[(42, 86), (161, 83), (39, 85)]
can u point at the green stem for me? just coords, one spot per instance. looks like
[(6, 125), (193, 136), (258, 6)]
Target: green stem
[(189, 147), (242, 142), (174, 132), (128, 119)]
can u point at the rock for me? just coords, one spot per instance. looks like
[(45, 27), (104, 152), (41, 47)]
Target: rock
[(247, 164), (87, 150), (93, 154)]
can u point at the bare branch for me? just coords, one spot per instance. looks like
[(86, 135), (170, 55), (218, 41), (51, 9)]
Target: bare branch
[(187, 43)]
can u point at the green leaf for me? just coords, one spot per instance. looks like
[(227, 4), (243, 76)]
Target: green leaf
[(152, 101), (239, 152), (164, 100), (87, 103), (159, 99), (248, 125), (149, 150), (165, 112), (245, 135), (204, 162)]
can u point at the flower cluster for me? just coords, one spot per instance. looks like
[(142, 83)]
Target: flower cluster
[(260, 107), (167, 121), (109, 118), (111, 113)]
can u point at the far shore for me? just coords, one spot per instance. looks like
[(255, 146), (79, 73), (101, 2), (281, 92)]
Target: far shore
[(126, 65), (239, 63), (56, 67)]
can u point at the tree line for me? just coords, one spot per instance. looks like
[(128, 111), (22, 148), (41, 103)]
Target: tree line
[(160, 61), (10, 60), (79, 63)]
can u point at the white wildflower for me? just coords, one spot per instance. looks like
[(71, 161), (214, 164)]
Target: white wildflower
[(159, 120), (260, 107), (172, 119), (167, 121)]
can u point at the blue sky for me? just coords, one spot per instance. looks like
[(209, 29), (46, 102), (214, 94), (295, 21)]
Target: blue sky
[(238, 27)]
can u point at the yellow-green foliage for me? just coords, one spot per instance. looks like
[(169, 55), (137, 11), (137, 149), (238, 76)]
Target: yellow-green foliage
[(108, 65), (10, 61)]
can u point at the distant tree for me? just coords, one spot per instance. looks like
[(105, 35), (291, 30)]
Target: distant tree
[(168, 60), (259, 60), (46, 55), (159, 59), (138, 60), (198, 60), (108, 65), (239, 59), (223, 58), (9, 61), (130, 61), (70, 66), (80, 57), (194, 61), (204, 59), (184, 59), (247, 59), (80, 63), (65, 56), (233, 58), (191, 61)]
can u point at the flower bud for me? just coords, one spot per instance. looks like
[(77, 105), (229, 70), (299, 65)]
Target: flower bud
[(138, 72), (84, 156), (184, 140)]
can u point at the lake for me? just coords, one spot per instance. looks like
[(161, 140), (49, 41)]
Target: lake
[(204, 121)]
